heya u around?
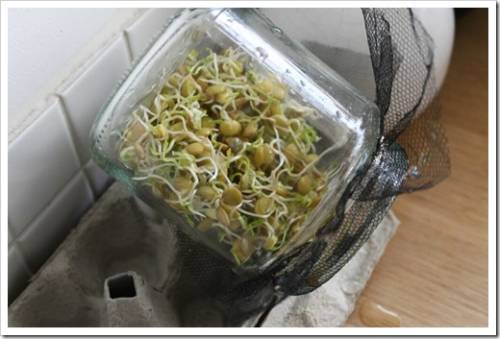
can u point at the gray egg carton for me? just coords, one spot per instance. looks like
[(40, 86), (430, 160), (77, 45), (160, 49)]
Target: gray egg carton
[(119, 268), (114, 269)]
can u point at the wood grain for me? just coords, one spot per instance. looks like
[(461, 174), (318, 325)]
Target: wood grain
[(434, 271)]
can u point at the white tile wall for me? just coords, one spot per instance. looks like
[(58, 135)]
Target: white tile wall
[(41, 162), (52, 225), (84, 97), (52, 180)]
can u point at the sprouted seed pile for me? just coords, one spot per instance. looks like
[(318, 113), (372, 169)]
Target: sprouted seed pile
[(225, 146)]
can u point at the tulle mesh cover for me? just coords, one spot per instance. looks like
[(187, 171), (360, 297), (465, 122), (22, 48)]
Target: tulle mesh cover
[(411, 155)]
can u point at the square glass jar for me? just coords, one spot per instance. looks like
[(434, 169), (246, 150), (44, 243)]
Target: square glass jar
[(346, 122)]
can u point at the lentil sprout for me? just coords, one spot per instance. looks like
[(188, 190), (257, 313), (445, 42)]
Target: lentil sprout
[(225, 146)]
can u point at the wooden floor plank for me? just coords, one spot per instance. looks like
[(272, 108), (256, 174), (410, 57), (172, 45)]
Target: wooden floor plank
[(434, 271)]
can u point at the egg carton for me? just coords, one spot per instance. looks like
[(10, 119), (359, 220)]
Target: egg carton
[(119, 267)]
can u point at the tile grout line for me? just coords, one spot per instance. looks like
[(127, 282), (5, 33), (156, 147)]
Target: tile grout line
[(9, 230), (70, 78), (127, 37), (127, 45), (22, 258), (24, 262), (73, 142), (15, 132), (30, 120), (20, 249), (69, 125), (32, 221)]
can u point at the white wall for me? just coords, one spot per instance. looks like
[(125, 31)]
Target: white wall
[(47, 45), (73, 59)]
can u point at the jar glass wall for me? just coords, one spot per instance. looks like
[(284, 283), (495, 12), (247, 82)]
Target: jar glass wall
[(236, 134)]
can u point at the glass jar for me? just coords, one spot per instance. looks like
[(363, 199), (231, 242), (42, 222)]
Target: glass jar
[(346, 124)]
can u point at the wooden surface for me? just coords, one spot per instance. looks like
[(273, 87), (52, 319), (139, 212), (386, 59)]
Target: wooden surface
[(434, 271)]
